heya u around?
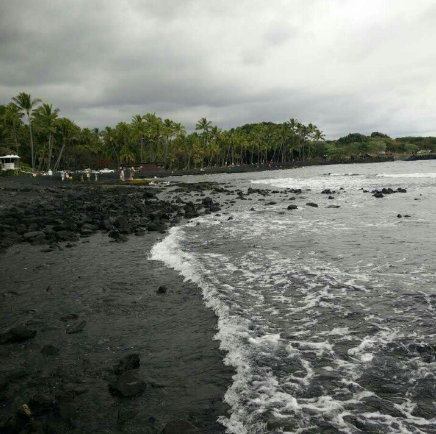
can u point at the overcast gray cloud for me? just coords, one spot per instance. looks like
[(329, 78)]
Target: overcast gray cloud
[(345, 65)]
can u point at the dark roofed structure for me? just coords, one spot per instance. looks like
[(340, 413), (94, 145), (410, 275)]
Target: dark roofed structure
[(144, 168)]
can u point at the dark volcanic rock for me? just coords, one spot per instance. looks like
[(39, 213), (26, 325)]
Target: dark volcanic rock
[(123, 225), (190, 210), (157, 226), (207, 202), (31, 235), (292, 207), (162, 289), (67, 236), (312, 204), (20, 333), (49, 350), (179, 427), (69, 317), (131, 361), (215, 207), (128, 384), (76, 328), (40, 403), (125, 414)]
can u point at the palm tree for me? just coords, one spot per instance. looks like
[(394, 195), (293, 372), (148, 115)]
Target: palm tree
[(154, 127), (46, 117), (108, 135), (25, 103), (139, 131), (122, 138), (168, 132), (12, 120), (3, 139), (68, 131), (203, 124)]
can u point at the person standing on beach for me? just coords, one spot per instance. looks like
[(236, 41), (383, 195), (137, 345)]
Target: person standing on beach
[(88, 176), (96, 176), (121, 175), (132, 173), (81, 178), (62, 175)]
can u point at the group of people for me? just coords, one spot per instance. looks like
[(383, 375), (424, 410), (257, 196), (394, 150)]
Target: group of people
[(128, 173), (88, 176), (131, 173), (67, 176)]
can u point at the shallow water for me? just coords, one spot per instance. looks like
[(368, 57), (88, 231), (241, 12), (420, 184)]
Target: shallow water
[(328, 314)]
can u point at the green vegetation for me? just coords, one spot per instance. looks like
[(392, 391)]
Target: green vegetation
[(44, 140)]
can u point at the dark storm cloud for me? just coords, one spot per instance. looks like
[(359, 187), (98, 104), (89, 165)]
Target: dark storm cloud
[(345, 65)]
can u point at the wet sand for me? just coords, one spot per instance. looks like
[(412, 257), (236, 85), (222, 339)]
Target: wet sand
[(91, 305)]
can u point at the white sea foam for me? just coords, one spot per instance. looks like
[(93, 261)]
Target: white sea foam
[(407, 175), (286, 318)]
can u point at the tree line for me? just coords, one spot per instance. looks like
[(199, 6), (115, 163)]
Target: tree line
[(44, 140)]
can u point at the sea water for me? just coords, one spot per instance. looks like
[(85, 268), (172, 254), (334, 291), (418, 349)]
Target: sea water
[(327, 314)]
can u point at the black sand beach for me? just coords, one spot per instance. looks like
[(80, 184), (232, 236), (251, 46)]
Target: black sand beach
[(93, 300)]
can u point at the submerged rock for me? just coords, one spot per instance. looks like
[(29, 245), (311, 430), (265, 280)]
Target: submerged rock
[(290, 207), (312, 204)]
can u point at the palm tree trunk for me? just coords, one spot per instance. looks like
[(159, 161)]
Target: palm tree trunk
[(31, 144), (59, 157), (15, 138), (49, 152)]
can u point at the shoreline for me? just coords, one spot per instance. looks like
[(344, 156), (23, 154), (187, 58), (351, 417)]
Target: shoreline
[(248, 168), (93, 300)]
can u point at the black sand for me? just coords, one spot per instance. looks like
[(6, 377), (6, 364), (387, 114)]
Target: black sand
[(91, 305)]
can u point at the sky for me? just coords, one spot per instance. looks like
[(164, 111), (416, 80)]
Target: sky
[(344, 65)]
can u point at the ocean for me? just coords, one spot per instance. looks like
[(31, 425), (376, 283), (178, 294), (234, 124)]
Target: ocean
[(326, 313)]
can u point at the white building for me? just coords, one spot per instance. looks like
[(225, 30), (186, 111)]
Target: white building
[(10, 162)]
